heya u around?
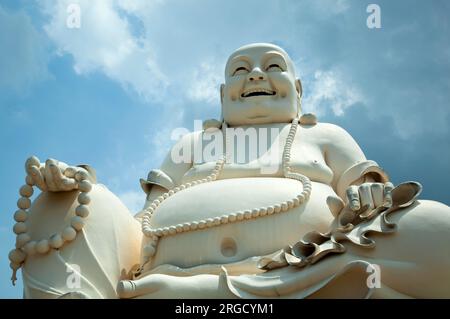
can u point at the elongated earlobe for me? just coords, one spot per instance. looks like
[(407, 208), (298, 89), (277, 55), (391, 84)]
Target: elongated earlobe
[(298, 87), (222, 87)]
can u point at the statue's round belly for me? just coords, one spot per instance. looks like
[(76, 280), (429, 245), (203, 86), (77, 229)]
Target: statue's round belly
[(241, 239)]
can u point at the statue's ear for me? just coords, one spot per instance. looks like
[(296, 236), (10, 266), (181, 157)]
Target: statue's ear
[(298, 87), (222, 87)]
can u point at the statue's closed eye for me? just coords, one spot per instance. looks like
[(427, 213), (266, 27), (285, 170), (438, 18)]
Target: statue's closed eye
[(240, 70), (274, 67)]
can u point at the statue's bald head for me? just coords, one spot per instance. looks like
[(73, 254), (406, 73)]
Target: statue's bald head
[(265, 46), (260, 86)]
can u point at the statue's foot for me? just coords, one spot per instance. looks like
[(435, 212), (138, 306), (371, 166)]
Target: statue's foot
[(139, 287), (125, 289)]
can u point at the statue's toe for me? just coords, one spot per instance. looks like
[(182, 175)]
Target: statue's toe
[(125, 289)]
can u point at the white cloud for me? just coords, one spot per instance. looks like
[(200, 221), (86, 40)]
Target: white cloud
[(328, 91), (105, 43), (330, 7), (205, 86), (133, 200), (23, 58)]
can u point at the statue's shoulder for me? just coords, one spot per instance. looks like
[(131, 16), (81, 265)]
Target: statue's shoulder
[(186, 138), (329, 132)]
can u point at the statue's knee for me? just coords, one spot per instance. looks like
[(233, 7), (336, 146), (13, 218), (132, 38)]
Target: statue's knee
[(425, 228)]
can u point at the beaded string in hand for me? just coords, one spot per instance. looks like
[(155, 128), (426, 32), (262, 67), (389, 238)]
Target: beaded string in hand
[(74, 178)]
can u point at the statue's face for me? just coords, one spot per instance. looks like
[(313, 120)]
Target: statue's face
[(260, 86)]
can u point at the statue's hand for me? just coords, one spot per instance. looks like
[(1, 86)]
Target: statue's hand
[(55, 176), (369, 196)]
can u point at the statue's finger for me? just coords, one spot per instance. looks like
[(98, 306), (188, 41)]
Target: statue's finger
[(353, 198), (82, 174), (70, 171), (49, 179), (365, 195), (69, 183), (31, 161), (388, 187), (377, 194), (56, 175), (335, 204), (38, 179)]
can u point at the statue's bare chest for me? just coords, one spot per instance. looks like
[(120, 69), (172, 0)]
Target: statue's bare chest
[(258, 151)]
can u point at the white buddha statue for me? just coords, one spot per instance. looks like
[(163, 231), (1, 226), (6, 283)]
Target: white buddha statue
[(299, 213)]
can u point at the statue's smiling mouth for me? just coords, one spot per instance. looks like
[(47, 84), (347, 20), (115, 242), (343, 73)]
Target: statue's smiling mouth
[(257, 92)]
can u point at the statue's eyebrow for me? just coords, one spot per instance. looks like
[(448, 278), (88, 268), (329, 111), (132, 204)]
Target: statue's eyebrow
[(271, 54), (238, 58)]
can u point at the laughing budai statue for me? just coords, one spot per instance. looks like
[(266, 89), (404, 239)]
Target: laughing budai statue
[(279, 206)]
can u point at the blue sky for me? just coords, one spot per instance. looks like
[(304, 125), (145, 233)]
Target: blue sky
[(109, 93)]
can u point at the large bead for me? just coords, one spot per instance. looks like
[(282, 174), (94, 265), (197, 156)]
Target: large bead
[(22, 239), (20, 215), (26, 191), (224, 219), (84, 199), (29, 180), (30, 248), (24, 203), (69, 234), (194, 225), (19, 228), (85, 186), (17, 256), (82, 211), (42, 246), (263, 211), (201, 224), (81, 175), (209, 222), (77, 222), (56, 241)]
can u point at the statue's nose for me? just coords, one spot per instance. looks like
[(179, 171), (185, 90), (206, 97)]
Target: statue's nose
[(256, 75)]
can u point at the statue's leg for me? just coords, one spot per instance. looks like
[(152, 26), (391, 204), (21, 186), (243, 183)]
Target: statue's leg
[(103, 252), (415, 260)]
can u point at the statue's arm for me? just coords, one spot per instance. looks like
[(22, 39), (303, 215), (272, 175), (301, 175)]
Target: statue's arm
[(348, 162), (171, 172)]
